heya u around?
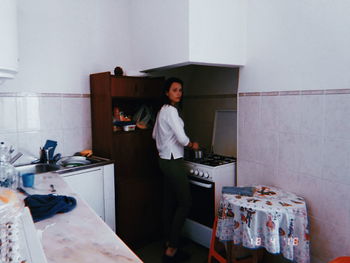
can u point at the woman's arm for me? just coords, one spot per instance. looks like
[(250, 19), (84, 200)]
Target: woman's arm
[(176, 126)]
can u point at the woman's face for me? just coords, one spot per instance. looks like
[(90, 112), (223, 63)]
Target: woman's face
[(175, 93)]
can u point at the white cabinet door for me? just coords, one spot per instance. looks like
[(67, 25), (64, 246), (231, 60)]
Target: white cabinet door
[(88, 184), (109, 195)]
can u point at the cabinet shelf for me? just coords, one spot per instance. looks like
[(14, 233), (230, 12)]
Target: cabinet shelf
[(136, 131)]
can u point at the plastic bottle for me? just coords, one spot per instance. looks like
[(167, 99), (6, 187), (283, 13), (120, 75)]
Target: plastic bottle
[(8, 173)]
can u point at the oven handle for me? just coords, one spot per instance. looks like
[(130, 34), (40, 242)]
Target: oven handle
[(201, 184)]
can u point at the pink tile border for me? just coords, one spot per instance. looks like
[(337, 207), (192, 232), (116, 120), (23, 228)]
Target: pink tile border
[(337, 91), (289, 92), (312, 92), (295, 92), (30, 94), (270, 93)]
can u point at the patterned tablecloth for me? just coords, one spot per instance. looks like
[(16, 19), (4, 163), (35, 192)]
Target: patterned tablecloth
[(271, 218)]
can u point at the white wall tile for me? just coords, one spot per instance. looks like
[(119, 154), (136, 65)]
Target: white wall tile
[(250, 112), (86, 135), (8, 114), (249, 147), (50, 113), (270, 112), (311, 154), (312, 114), (289, 113), (73, 141), (287, 180), (85, 113), (27, 122), (248, 173), (336, 160), (28, 114), (268, 175), (337, 116), (71, 113), (29, 144), (288, 151), (269, 142)]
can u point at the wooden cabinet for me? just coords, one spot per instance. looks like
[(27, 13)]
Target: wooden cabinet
[(138, 181), (133, 87)]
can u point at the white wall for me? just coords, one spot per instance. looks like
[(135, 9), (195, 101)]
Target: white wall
[(293, 45), (61, 42), (300, 141), (160, 34), (217, 31)]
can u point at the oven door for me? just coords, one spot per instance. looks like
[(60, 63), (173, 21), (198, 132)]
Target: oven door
[(203, 201)]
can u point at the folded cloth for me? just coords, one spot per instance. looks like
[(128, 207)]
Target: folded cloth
[(247, 191), (45, 206)]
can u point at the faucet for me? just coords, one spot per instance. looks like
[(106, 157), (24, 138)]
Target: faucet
[(16, 157), (44, 155)]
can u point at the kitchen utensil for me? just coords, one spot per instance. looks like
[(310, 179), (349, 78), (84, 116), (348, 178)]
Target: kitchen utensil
[(129, 127), (72, 161), (28, 179), (194, 154)]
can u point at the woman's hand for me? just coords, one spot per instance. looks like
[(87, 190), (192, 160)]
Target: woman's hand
[(193, 145)]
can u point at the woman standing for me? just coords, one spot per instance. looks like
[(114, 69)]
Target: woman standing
[(170, 140)]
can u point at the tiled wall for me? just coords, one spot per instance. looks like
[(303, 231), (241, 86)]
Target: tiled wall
[(28, 120), (300, 141)]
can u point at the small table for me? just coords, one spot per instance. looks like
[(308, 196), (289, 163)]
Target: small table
[(272, 219)]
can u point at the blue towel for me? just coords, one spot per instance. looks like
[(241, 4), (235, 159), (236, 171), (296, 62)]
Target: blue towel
[(247, 191), (44, 206)]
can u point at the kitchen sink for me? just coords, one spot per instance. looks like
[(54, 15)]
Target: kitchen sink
[(64, 165), (37, 168)]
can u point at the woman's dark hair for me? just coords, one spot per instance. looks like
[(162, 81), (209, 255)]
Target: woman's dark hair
[(166, 88)]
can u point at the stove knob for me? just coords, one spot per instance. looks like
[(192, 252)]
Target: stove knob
[(206, 175), (201, 173), (191, 171), (196, 172)]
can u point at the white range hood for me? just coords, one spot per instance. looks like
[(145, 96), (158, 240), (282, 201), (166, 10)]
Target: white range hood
[(168, 34), (8, 39)]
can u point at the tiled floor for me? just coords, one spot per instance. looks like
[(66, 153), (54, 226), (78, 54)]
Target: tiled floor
[(152, 253)]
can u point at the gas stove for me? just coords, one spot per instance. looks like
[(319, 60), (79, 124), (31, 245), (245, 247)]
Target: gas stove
[(207, 176), (212, 159)]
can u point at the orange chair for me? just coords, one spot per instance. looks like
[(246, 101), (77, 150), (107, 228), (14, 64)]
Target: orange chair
[(341, 260), (212, 252)]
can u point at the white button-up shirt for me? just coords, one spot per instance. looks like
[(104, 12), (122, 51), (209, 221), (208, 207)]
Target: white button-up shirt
[(169, 133)]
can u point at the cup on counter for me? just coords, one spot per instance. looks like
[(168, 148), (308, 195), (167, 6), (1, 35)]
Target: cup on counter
[(28, 179)]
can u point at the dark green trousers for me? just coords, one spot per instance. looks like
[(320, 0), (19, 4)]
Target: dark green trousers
[(177, 198)]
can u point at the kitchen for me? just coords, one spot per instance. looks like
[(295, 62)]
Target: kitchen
[(292, 109)]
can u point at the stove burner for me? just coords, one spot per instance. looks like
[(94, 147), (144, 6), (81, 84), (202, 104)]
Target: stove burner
[(213, 159)]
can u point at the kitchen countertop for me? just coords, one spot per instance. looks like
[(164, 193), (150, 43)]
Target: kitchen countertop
[(79, 235)]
